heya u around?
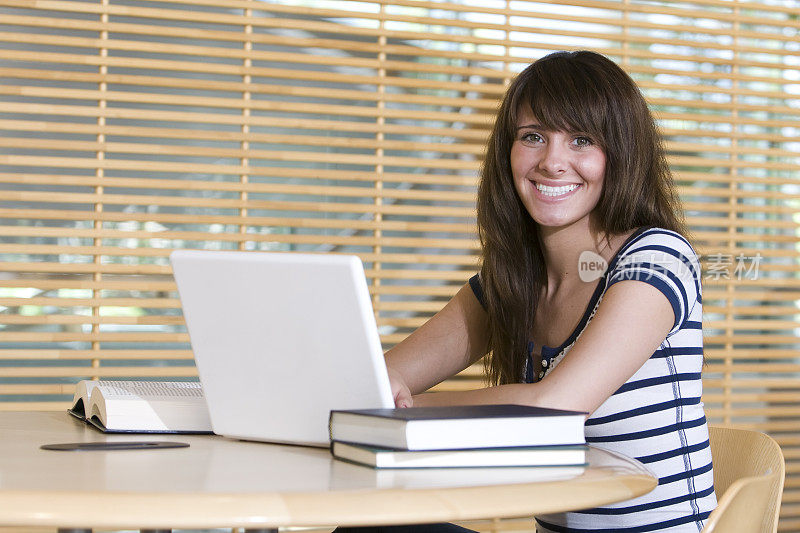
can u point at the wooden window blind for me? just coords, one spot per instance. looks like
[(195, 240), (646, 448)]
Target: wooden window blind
[(129, 128)]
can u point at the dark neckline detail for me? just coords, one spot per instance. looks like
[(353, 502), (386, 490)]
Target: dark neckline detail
[(547, 351)]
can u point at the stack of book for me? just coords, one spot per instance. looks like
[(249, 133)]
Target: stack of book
[(459, 436)]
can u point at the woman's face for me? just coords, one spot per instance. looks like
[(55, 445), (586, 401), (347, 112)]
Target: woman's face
[(558, 175)]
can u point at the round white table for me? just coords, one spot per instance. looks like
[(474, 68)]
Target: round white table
[(219, 482)]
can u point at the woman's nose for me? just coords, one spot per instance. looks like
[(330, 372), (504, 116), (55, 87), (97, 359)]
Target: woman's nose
[(554, 159)]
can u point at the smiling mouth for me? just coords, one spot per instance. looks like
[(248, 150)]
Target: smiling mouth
[(555, 191)]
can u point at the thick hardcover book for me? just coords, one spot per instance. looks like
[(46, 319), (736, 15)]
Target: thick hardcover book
[(458, 427), (142, 406), (476, 457)]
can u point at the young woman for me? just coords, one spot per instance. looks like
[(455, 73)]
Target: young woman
[(574, 170)]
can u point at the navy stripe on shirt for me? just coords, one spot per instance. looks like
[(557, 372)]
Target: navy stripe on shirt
[(475, 285), (684, 350), (683, 475), (658, 380), (646, 459), (639, 529), (649, 432), (647, 409), (646, 506), (680, 350)]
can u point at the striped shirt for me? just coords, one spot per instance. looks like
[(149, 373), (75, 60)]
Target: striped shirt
[(656, 416)]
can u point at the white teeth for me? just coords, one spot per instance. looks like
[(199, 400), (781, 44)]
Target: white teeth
[(556, 191)]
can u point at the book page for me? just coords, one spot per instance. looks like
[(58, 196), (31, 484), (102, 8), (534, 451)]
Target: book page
[(159, 406), (151, 390), (87, 386)]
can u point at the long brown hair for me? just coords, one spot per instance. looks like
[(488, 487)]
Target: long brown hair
[(568, 91)]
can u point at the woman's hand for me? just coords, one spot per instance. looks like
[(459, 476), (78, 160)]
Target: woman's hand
[(400, 391)]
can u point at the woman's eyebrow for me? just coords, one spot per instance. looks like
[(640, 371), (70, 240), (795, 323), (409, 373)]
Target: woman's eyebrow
[(532, 126), (539, 127)]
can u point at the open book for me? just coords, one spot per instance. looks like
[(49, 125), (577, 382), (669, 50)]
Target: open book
[(142, 406)]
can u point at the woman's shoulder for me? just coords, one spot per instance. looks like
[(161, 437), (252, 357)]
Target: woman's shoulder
[(654, 253), (664, 259), (655, 239)]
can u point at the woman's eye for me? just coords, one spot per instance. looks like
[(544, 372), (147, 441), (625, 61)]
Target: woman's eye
[(583, 141), (531, 137)]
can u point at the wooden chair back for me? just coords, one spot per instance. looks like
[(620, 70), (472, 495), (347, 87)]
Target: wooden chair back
[(748, 479)]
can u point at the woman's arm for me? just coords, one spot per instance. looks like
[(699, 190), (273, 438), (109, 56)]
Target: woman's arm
[(631, 322), (446, 344)]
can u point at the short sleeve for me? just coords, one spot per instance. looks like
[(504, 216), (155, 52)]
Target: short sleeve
[(477, 289), (665, 260)]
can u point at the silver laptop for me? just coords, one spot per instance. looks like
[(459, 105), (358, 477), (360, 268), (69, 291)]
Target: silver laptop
[(280, 339)]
